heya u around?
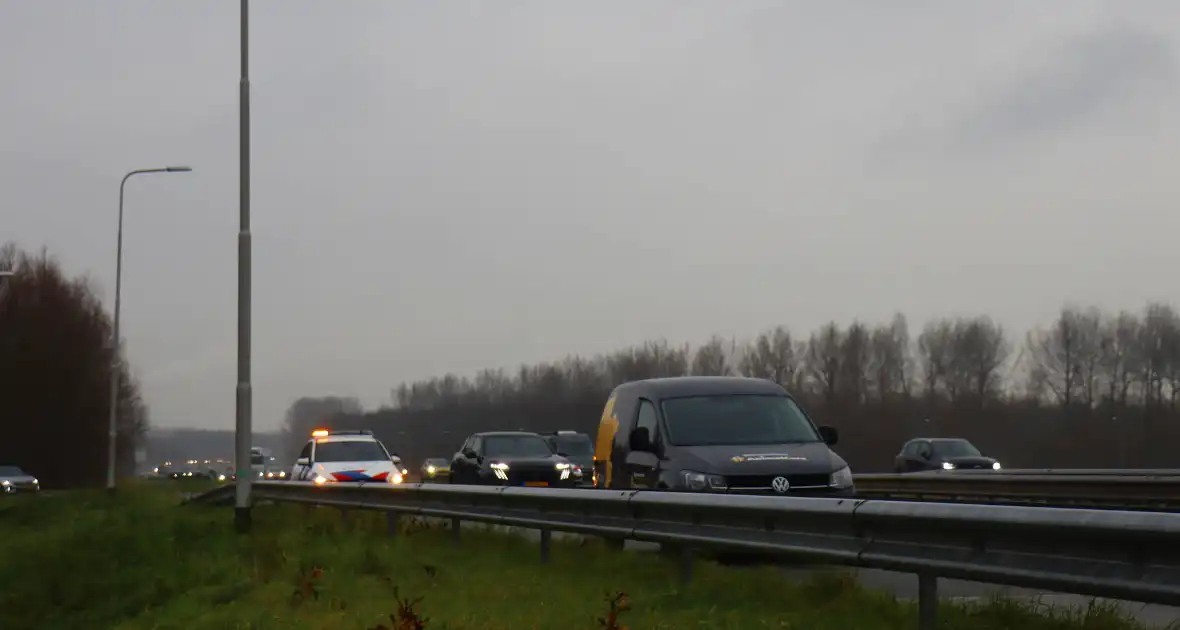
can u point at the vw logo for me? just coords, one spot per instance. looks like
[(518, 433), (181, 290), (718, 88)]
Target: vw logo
[(780, 485)]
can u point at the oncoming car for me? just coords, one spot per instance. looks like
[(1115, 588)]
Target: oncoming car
[(14, 480), (263, 465), (436, 468), (921, 454), (578, 448), (510, 458), (345, 457)]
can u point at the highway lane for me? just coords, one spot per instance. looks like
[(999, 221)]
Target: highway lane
[(904, 586)]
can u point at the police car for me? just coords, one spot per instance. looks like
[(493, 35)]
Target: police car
[(345, 457)]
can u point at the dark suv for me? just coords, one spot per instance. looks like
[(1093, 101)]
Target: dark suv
[(922, 454), (579, 449), (510, 458)]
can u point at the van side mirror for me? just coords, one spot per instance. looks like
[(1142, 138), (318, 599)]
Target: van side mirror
[(303, 461), (640, 440), (830, 435)]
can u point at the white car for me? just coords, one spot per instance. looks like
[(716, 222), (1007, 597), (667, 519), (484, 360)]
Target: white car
[(346, 457)]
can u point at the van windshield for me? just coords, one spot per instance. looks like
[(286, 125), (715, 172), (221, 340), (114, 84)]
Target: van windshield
[(734, 419)]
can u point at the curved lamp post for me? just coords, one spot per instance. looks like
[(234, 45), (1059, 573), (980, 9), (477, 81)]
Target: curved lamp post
[(113, 428)]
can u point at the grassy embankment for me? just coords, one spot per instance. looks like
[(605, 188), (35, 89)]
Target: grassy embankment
[(84, 561)]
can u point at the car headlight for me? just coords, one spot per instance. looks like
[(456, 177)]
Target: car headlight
[(221, 477), (842, 478), (948, 466), (995, 465), (701, 481), (500, 469), (5, 483), (282, 473), (498, 466), (430, 470), (320, 479)]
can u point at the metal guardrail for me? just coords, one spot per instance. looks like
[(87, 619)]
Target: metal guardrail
[(1155, 490), (1102, 472), (1102, 553)]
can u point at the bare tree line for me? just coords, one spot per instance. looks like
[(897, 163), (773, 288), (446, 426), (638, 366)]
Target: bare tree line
[(55, 367), (1092, 389)]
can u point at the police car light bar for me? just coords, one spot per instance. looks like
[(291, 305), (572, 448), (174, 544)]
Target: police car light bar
[(319, 433)]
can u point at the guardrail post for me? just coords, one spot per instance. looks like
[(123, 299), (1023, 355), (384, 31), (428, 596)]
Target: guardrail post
[(546, 539), (391, 522), (456, 528), (927, 601), (685, 556)]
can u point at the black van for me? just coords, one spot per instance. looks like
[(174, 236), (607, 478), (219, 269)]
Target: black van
[(715, 434)]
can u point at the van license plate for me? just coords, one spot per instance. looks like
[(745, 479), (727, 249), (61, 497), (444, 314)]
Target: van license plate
[(537, 484)]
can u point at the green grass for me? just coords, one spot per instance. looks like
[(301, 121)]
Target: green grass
[(140, 561)]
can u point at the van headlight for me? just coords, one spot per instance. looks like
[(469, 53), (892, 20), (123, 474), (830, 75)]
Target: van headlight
[(396, 478), (948, 466), (995, 465), (842, 478), (320, 480), (702, 482)]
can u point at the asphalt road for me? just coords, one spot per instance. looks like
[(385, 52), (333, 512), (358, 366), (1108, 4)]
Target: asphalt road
[(905, 586)]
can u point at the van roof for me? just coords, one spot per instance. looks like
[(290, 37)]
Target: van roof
[(680, 386)]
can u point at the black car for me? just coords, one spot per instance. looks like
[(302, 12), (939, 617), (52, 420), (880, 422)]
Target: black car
[(434, 469), (510, 458), (923, 454), (578, 448), (14, 480), (184, 471)]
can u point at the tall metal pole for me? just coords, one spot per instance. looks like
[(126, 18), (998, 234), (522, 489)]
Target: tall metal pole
[(113, 425), (243, 434)]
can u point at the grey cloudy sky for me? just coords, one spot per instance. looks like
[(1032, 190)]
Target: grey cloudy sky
[(446, 186)]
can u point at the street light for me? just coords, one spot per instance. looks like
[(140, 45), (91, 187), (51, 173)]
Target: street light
[(243, 398), (113, 428)]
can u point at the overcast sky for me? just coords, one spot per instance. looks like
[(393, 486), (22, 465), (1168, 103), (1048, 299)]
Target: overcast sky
[(447, 186)]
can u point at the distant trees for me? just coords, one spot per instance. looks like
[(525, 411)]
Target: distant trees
[(1092, 389), (55, 367)]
